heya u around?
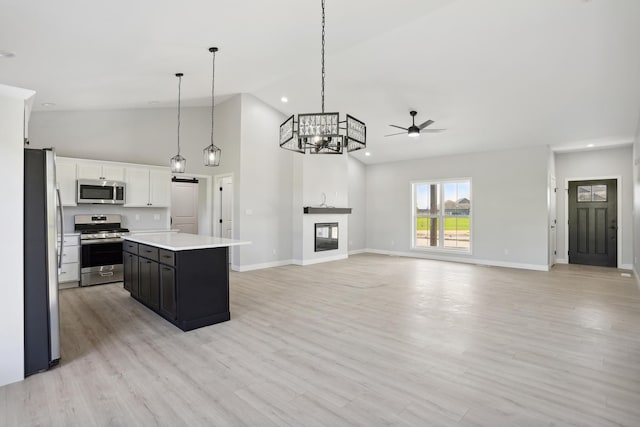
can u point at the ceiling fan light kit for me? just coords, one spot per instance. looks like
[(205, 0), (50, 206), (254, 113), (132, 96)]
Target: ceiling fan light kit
[(414, 131), (322, 133)]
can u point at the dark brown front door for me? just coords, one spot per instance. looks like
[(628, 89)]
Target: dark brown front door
[(593, 222)]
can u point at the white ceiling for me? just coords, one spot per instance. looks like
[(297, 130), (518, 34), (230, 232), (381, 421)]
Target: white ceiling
[(495, 73)]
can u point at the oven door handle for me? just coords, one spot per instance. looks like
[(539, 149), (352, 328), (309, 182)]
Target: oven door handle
[(100, 241)]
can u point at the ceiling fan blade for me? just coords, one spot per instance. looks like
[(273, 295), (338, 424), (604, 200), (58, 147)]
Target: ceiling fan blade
[(425, 124), (399, 127), (394, 134), (432, 130)]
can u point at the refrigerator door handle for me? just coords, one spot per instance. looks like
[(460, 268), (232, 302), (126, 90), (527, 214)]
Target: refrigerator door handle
[(61, 227)]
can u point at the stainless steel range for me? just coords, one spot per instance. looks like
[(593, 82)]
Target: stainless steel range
[(101, 243)]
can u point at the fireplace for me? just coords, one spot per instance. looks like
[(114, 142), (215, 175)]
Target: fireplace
[(326, 236)]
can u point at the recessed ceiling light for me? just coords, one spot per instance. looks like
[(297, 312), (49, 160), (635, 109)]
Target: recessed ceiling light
[(6, 54), (590, 145), (284, 99), (367, 154), (48, 104)]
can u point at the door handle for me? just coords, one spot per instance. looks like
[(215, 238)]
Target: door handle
[(61, 225), (110, 273)]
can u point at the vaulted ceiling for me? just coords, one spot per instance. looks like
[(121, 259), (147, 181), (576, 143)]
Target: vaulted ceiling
[(495, 73)]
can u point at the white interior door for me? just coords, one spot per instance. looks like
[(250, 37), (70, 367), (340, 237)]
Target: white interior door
[(184, 207)]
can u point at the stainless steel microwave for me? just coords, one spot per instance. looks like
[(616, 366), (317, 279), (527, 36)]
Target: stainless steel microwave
[(101, 192)]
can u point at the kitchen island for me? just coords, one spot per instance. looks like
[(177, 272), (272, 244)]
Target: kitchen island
[(182, 277)]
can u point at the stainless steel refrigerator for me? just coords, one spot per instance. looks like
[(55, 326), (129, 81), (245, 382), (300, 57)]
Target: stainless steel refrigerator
[(43, 222)]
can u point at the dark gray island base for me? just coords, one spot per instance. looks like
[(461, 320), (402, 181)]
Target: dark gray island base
[(189, 288)]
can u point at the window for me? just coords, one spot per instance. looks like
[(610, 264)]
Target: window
[(442, 215)]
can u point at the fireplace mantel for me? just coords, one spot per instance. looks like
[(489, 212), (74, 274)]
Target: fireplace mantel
[(318, 210)]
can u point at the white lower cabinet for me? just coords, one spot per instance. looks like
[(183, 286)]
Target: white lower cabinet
[(69, 274)]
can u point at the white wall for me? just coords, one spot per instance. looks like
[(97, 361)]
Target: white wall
[(598, 163), (509, 205), (263, 189), (11, 253), (636, 204), (358, 203), (145, 136)]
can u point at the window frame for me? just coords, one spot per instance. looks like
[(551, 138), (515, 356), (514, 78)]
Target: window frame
[(441, 216)]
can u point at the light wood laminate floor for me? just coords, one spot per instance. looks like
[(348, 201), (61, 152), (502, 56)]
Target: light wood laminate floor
[(369, 341)]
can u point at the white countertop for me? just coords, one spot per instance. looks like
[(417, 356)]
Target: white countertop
[(157, 230), (182, 241)]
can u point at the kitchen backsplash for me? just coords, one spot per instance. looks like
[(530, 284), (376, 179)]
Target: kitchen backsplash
[(132, 218)]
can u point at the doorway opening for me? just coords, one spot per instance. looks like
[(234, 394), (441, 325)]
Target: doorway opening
[(192, 204), (593, 222), (223, 211), (553, 221)]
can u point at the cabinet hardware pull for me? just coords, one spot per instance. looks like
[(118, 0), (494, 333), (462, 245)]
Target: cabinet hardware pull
[(110, 273)]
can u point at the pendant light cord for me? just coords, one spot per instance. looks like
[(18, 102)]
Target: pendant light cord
[(179, 93), (323, 72), (213, 82)]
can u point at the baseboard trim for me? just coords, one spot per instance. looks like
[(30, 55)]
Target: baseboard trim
[(492, 263), (521, 266), (261, 266), (319, 260), (637, 276), (626, 266), (562, 261)]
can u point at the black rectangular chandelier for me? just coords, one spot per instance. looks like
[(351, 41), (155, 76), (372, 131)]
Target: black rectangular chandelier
[(322, 133)]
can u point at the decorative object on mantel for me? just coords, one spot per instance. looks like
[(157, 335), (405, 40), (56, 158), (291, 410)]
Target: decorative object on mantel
[(320, 133), (212, 153), (328, 210), (178, 162)]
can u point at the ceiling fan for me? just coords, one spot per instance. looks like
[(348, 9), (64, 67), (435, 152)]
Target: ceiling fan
[(414, 131)]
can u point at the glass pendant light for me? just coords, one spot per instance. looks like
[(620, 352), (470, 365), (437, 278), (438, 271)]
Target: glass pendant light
[(178, 162), (212, 153)]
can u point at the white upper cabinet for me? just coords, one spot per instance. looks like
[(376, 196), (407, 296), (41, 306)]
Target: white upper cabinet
[(148, 187), (112, 173), (95, 170), (66, 174), (160, 187), (137, 191)]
